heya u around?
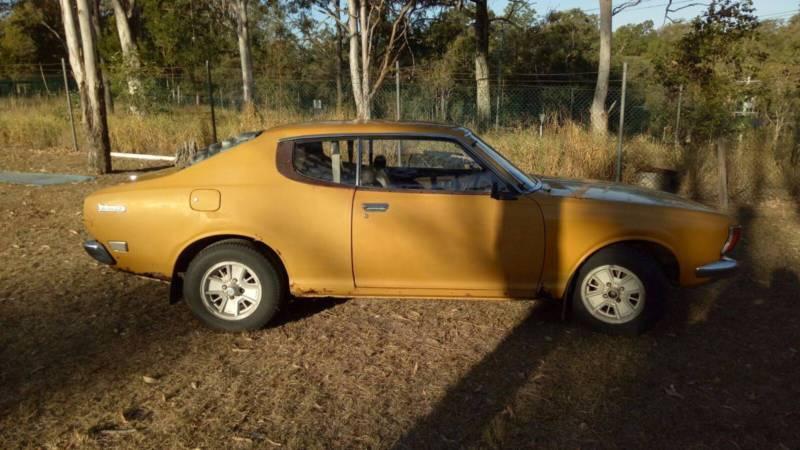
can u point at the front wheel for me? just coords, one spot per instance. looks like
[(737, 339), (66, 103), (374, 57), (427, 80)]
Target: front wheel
[(619, 290), (231, 286)]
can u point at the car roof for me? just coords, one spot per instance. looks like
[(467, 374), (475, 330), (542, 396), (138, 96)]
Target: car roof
[(363, 127)]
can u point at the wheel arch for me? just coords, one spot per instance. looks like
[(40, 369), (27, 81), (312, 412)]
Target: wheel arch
[(193, 249), (664, 256)]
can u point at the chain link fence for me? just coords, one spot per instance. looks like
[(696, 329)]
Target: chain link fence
[(515, 104)]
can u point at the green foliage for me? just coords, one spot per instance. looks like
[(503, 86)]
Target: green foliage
[(543, 60), (25, 37), (713, 61)]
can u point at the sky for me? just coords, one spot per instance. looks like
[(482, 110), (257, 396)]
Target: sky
[(654, 9)]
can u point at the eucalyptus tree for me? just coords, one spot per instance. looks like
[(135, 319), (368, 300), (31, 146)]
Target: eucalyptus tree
[(234, 15), (81, 42), (123, 12), (378, 32), (599, 114)]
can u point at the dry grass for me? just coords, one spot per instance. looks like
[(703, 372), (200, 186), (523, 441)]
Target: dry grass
[(43, 123), (569, 150), (564, 149)]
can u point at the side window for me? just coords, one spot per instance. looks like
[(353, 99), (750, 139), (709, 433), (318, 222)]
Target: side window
[(330, 160), (426, 164)]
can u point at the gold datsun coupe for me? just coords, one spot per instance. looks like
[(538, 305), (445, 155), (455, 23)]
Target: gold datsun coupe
[(399, 209)]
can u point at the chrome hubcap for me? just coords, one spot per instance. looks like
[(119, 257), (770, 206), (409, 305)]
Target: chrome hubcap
[(231, 290), (613, 294)]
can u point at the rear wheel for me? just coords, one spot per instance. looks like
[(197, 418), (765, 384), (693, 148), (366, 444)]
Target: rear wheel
[(231, 286), (619, 290)]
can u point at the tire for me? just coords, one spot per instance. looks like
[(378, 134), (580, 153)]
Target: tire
[(599, 297), (216, 295)]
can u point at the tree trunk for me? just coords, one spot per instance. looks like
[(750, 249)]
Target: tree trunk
[(74, 53), (776, 132), (243, 35), (599, 114), (130, 54), (366, 101), (355, 69), (339, 61), (483, 91), (95, 18), (96, 122)]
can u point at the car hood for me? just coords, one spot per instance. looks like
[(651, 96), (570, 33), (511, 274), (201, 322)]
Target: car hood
[(616, 192)]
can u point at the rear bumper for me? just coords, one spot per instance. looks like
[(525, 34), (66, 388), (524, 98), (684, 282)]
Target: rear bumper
[(97, 251), (718, 269)]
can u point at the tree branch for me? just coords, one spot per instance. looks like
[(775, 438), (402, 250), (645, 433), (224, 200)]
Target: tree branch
[(399, 31), (330, 13), (627, 4), (504, 19), (55, 33), (669, 9)]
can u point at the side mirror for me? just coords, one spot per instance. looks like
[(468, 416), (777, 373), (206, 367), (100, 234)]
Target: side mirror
[(501, 192)]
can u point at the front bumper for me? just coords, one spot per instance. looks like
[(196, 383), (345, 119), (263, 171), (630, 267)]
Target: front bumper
[(97, 251), (718, 269)]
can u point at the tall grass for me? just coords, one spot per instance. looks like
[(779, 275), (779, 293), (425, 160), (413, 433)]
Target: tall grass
[(568, 149), (564, 148), (44, 123)]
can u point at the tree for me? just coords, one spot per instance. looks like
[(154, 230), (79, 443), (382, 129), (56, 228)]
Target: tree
[(83, 60), (235, 15), (713, 61), (599, 115), (339, 57), (27, 36), (480, 27), (482, 90), (130, 54), (366, 19), (246, 61)]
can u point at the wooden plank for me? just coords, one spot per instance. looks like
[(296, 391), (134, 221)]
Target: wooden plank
[(143, 156)]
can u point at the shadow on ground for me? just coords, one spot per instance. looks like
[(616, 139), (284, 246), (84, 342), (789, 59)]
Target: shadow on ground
[(720, 371)]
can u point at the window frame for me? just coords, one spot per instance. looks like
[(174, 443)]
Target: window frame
[(286, 167), (285, 159), (422, 137)]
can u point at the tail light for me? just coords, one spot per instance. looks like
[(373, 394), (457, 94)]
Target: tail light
[(734, 235)]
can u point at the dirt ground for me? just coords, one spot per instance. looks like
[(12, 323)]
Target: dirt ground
[(93, 358)]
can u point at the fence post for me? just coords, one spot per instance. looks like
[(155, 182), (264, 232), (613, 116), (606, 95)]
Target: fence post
[(723, 174), (678, 117), (397, 86), (69, 106), (572, 103), (44, 80), (541, 123), (497, 101), (621, 130), (211, 102)]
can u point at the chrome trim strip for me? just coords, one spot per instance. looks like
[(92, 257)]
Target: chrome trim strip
[(363, 134), (118, 246), (537, 183), (718, 269)]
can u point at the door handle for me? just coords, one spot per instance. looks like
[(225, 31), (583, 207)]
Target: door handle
[(374, 207)]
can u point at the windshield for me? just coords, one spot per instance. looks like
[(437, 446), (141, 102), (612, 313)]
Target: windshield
[(525, 183)]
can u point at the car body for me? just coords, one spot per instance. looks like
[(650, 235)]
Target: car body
[(418, 220)]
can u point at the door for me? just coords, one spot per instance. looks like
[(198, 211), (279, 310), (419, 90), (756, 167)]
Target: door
[(424, 218), (312, 214)]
